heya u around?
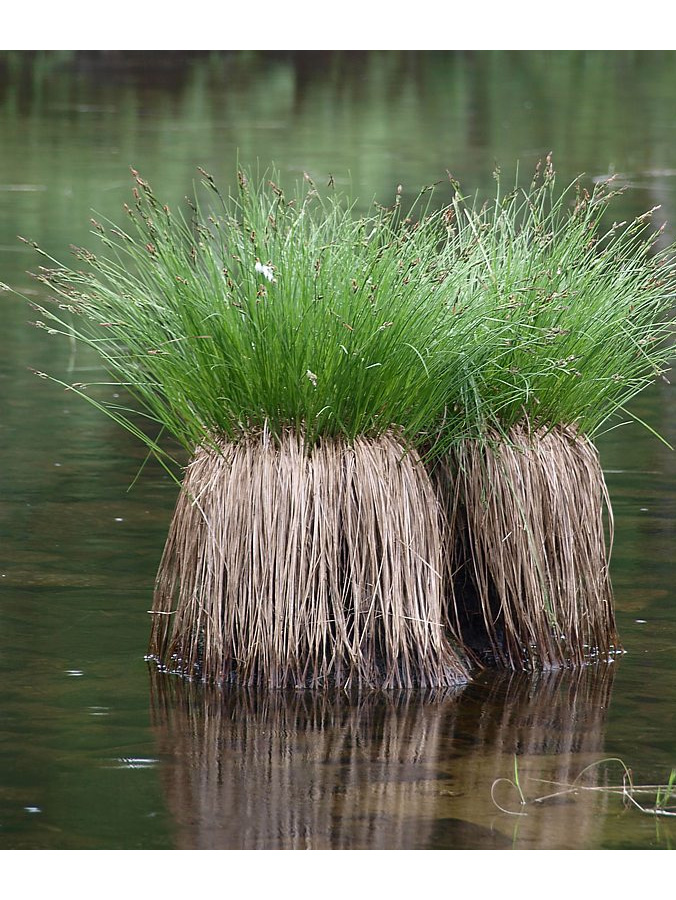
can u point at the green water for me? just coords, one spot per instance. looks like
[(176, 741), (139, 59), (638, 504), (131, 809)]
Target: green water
[(96, 751)]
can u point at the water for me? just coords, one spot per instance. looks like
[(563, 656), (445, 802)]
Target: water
[(96, 751)]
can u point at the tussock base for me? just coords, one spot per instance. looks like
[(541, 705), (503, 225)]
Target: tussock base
[(287, 566), (527, 566)]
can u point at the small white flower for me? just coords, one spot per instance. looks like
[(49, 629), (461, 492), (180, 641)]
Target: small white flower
[(312, 377), (265, 271)]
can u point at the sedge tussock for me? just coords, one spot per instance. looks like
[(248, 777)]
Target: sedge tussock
[(527, 564), (288, 567), (296, 349)]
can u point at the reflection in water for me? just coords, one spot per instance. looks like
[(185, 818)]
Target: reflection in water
[(384, 771), (298, 770), (551, 726)]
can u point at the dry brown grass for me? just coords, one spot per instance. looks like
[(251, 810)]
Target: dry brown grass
[(526, 560), (293, 567)]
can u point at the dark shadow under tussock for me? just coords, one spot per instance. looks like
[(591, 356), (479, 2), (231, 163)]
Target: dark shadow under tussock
[(287, 566), (526, 561)]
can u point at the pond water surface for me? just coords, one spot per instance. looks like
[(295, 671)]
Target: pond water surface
[(98, 751)]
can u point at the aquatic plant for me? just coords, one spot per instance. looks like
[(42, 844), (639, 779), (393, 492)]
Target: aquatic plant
[(576, 321), (290, 347), (389, 416), (664, 794)]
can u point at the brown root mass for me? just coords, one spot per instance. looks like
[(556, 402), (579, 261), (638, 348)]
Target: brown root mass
[(527, 568), (287, 566)]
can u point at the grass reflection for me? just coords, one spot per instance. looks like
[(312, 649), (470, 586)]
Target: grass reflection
[(380, 771)]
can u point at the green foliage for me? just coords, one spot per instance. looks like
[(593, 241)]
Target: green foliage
[(262, 312), (628, 791), (579, 312)]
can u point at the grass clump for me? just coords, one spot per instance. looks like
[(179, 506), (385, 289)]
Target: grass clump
[(299, 353), (575, 321), (390, 418), (576, 310)]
